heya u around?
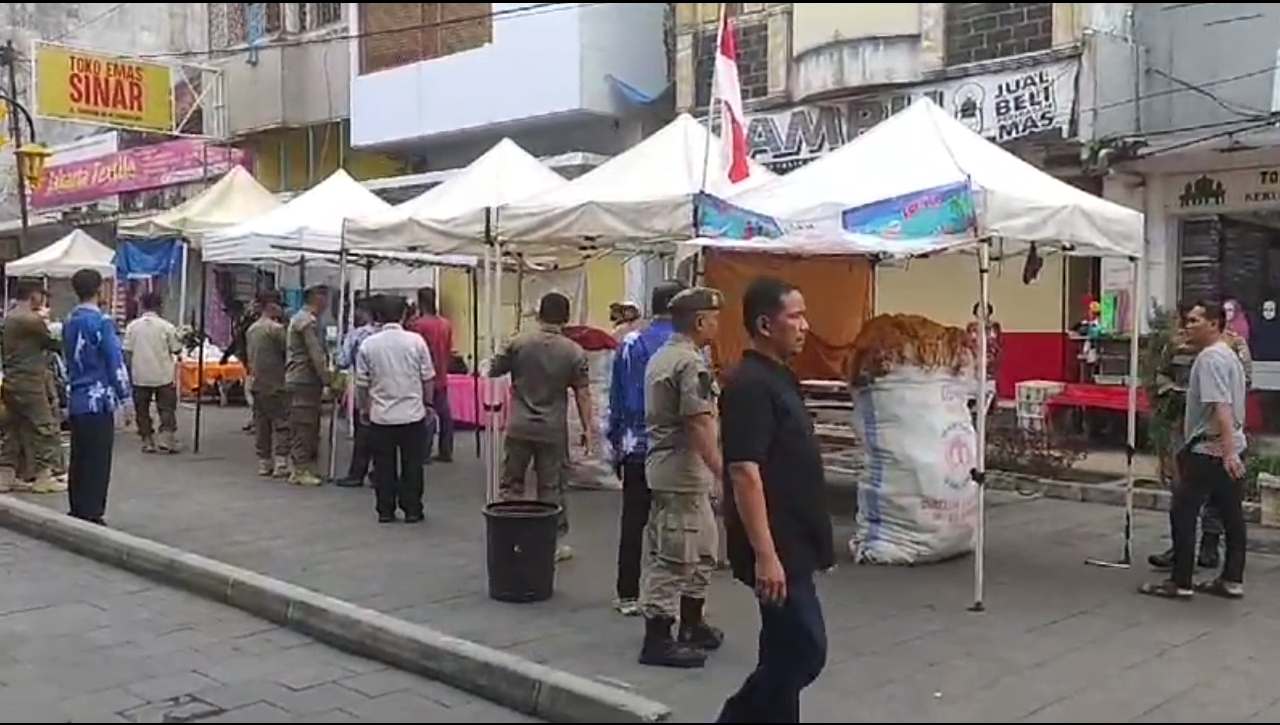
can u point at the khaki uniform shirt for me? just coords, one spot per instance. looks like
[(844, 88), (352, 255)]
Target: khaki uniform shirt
[(544, 366), (265, 355), (678, 385), (305, 363), (26, 339)]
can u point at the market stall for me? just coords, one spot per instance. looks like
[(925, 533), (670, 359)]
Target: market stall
[(76, 251), (921, 183), (313, 219)]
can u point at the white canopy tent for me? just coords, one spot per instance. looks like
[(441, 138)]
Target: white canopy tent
[(65, 257), (641, 196), (924, 147), (236, 198), (314, 219), (504, 174), (1015, 207)]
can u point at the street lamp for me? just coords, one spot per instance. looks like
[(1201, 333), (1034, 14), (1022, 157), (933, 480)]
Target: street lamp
[(32, 158)]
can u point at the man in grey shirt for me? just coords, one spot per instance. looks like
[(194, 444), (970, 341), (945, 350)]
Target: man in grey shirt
[(1210, 462)]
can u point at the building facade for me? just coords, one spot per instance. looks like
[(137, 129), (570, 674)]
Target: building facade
[(1024, 75), (573, 83), (287, 73), (1204, 162)]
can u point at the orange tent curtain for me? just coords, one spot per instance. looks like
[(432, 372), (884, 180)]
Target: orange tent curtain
[(837, 293)]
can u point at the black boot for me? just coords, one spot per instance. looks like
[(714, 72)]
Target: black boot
[(694, 630), (1208, 557), (660, 650), (1162, 561)]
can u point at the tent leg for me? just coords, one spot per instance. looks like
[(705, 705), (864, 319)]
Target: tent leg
[(342, 329), (203, 317), (474, 274), (1131, 435), (980, 410)]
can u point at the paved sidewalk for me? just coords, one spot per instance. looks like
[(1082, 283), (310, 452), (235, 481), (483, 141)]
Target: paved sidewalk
[(1060, 641), (81, 642)]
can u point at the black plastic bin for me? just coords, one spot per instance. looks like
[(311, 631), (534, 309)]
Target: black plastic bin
[(521, 540)]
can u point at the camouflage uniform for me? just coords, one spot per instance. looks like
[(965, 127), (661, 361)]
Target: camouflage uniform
[(33, 447), (265, 357), (680, 538), (306, 371)]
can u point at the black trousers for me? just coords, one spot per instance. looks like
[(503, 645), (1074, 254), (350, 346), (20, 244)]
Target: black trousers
[(89, 470), (398, 454), (635, 515), (792, 652), (1205, 479), (361, 455)]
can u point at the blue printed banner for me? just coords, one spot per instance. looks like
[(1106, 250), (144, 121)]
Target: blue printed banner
[(943, 211), (719, 219)]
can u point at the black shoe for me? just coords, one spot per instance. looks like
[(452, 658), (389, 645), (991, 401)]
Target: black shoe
[(694, 630), (386, 518), (414, 518), (660, 650), (1162, 561), (348, 482), (445, 459)]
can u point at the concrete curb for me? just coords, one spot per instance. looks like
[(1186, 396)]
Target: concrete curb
[(505, 679), (1111, 494)]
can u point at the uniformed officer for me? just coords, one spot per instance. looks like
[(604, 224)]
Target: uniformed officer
[(265, 358), (34, 450), (306, 376), (683, 467)]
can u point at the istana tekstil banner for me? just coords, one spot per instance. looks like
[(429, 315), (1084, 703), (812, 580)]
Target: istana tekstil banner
[(144, 167)]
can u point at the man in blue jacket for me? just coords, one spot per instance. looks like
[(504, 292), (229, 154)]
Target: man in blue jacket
[(627, 436)]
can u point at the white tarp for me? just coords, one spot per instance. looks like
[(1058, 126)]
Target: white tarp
[(504, 174), (921, 148), (236, 198), (639, 196), (311, 219), (65, 257)]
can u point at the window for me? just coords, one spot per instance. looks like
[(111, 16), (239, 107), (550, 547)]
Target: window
[(245, 22), (314, 16), (398, 34)]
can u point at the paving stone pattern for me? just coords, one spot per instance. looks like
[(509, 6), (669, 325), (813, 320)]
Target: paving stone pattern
[(1060, 642), (81, 642)]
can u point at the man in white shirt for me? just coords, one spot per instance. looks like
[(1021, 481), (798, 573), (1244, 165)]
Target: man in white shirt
[(393, 383), (151, 346)]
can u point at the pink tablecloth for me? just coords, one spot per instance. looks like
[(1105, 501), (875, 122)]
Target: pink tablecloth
[(462, 399)]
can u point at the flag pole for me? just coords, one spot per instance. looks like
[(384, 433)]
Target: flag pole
[(714, 103)]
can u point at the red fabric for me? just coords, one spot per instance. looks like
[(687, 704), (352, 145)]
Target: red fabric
[(1104, 397), (1031, 356), (592, 339), (438, 334), (728, 90)]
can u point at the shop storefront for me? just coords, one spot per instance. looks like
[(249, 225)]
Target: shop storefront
[(1221, 231)]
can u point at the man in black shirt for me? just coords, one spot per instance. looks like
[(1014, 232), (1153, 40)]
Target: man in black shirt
[(776, 523)]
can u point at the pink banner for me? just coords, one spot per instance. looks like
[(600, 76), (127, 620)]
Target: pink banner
[(145, 167)]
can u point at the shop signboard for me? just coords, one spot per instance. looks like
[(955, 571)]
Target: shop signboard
[(1252, 189), (102, 89), (137, 169), (1003, 107)]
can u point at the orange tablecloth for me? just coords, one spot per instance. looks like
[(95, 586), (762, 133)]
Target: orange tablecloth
[(189, 375)]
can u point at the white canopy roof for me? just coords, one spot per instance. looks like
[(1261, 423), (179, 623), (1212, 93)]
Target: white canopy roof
[(505, 173), (313, 218), (640, 196), (236, 197), (65, 257), (924, 147)]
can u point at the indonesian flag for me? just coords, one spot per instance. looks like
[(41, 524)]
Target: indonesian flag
[(728, 93)]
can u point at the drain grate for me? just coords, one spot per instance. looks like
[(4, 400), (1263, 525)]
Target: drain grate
[(183, 708)]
